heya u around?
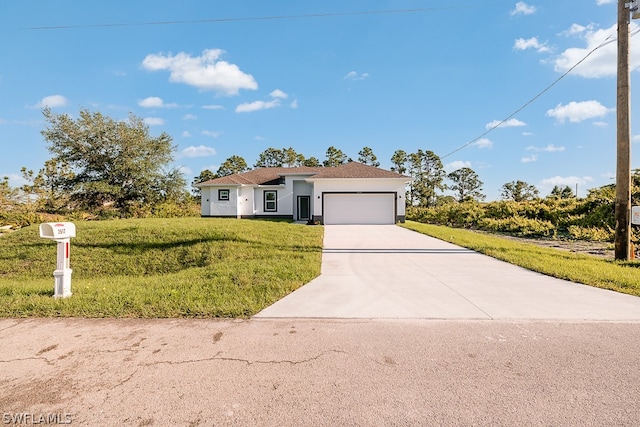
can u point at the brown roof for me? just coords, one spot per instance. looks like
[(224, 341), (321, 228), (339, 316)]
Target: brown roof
[(356, 170), (271, 176)]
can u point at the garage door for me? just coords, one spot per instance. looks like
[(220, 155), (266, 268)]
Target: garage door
[(370, 208)]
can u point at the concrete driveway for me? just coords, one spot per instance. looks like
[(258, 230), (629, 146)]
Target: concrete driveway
[(391, 272)]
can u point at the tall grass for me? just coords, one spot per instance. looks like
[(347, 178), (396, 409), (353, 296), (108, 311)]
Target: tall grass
[(194, 267), (618, 276)]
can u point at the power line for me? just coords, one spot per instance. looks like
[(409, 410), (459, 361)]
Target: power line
[(607, 41), (258, 18)]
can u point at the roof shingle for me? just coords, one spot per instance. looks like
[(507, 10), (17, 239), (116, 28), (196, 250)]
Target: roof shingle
[(262, 176)]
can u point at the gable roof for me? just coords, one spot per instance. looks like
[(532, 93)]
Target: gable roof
[(271, 176)]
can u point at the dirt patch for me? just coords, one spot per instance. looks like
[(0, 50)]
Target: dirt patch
[(598, 249)]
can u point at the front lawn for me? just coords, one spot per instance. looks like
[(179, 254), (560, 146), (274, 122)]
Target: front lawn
[(187, 267)]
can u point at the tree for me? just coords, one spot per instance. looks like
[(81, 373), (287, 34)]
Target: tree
[(205, 175), (399, 161), (428, 174), (234, 164), (270, 158), (367, 157), (417, 186), (335, 157), (48, 187), (290, 158), (112, 162), (561, 192), (311, 162), (466, 184), (519, 191), (434, 176), (7, 196)]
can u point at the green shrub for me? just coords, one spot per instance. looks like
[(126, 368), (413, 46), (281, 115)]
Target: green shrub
[(519, 226), (591, 233)]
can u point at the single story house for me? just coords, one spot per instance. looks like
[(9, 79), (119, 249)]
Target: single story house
[(352, 193)]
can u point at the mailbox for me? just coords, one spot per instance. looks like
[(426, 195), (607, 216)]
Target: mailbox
[(635, 215), (61, 232), (57, 230)]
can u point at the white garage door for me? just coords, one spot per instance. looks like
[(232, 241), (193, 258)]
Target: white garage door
[(359, 209)]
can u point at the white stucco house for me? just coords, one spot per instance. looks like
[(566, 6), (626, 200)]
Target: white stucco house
[(352, 193)]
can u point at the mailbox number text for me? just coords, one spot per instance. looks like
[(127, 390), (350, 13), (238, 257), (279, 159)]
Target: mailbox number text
[(61, 231)]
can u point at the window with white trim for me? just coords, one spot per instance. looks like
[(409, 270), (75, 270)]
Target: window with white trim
[(223, 194), (270, 201)]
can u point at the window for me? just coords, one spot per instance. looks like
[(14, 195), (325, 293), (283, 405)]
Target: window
[(270, 201), (223, 194)]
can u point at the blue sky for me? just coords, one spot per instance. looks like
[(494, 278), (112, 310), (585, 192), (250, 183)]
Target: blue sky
[(236, 77)]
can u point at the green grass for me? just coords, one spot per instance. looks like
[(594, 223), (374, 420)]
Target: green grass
[(188, 267), (615, 275)]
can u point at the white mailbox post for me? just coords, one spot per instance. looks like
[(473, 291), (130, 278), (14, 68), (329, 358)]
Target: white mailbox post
[(61, 232)]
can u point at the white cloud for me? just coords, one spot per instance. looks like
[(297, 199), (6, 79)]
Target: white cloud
[(455, 165), (505, 124), (532, 43), (205, 72), (294, 104), (185, 170), (278, 94), (483, 143), (257, 105), (530, 159), (186, 134), (576, 112), (527, 133), (155, 102), (153, 121), (189, 117), (523, 9), (352, 75), (601, 2), (603, 61), (52, 101), (199, 151), (3, 121), (577, 29), (601, 124), (549, 148), (211, 133), (150, 102), (212, 107), (16, 180), (635, 138)]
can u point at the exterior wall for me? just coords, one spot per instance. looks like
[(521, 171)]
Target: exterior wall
[(211, 206), (355, 185), (246, 202), (294, 185)]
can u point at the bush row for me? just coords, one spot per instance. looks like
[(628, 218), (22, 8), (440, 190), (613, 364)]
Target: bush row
[(588, 219)]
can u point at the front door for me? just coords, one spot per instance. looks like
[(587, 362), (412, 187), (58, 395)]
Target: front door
[(304, 208)]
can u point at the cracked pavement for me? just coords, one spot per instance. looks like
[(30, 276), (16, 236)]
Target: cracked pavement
[(280, 372)]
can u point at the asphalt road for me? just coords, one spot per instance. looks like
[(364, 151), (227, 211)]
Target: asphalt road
[(294, 372)]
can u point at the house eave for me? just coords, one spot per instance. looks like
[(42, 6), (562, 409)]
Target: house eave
[(406, 180)]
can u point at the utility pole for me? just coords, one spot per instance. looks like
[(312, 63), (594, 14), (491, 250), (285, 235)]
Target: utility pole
[(623, 167)]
